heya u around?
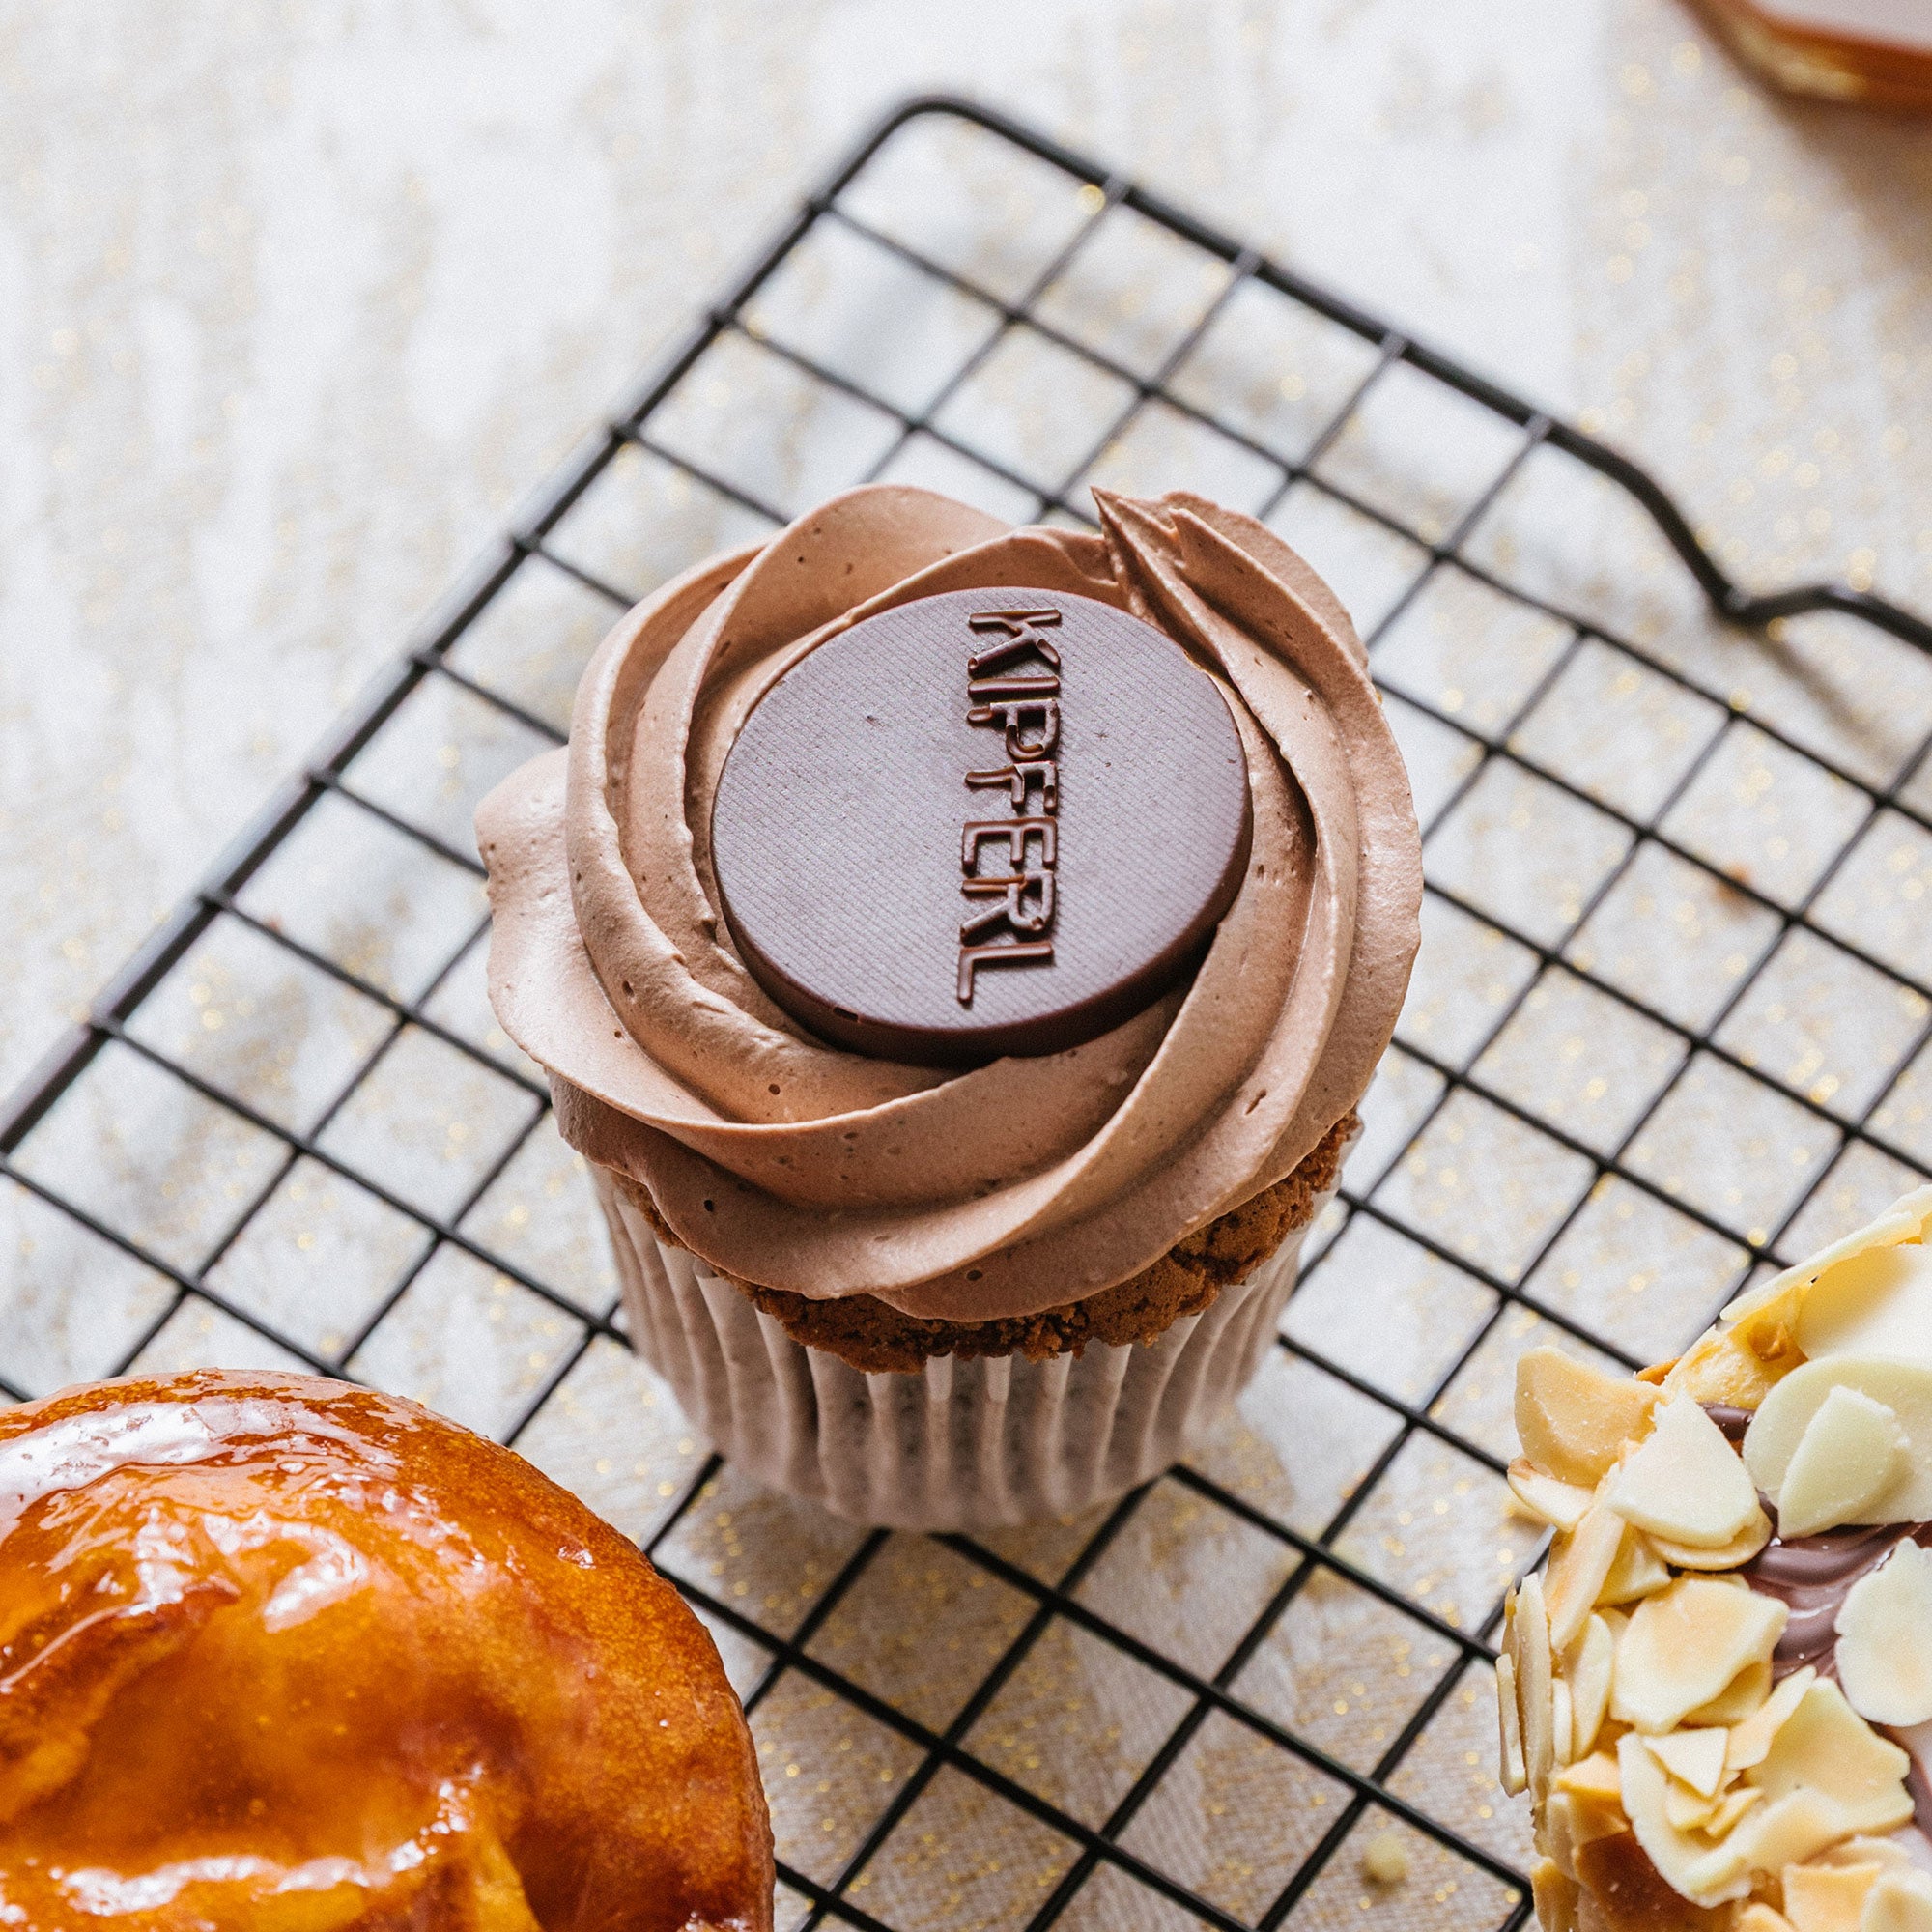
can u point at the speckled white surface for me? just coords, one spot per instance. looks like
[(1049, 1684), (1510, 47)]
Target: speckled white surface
[(294, 301), (292, 304)]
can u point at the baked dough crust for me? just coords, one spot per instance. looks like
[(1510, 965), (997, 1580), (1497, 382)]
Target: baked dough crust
[(280, 1653)]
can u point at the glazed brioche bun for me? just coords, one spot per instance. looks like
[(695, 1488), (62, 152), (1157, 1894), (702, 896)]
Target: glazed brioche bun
[(282, 1654)]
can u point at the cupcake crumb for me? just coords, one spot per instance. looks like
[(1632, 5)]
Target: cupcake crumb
[(1384, 1860)]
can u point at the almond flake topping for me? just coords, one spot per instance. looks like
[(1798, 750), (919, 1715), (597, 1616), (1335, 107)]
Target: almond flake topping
[(1580, 1569), (1731, 1555), (1685, 1482), (1874, 1303), (1750, 1740), (1636, 1682), (1828, 1898), (1851, 1450), (1826, 1747), (1695, 1758), (1785, 1416), (1899, 1902), (1677, 1853), (1571, 1419), (1588, 1667), (1885, 1639), (1685, 1646), (1561, 1505)]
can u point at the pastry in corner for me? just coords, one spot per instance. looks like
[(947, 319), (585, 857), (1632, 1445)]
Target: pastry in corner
[(284, 1655), (1718, 1695)]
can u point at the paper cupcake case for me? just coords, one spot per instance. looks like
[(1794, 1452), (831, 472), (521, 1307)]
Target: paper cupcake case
[(964, 1445)]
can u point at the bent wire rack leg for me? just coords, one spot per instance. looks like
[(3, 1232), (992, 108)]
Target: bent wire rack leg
[(1305, 1552)]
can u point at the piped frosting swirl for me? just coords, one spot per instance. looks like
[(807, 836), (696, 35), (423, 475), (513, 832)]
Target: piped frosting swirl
[(1014, 1187)]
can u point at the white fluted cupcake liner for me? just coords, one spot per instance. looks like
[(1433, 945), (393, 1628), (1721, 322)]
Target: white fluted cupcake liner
[(961, 1445)]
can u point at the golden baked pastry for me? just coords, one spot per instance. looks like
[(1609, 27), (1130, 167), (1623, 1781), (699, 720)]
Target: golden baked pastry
[(282, 1654)]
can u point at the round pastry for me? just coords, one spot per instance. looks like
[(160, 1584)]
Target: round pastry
[(1719, 1693), (282, 1654), (959, 951)]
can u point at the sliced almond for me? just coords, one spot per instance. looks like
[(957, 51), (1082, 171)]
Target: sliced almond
[(1600, 1818), (1678, 1856), (1905, 1220), (1851, 1450), (1556, 1897), (1730, 1809), (1550, 1838), (1750, 1740), (1594, 1777), (1785, 1831), (1786, 1414), (1758, 1916), (1533, 1680), (1826, 1747), (1731, 1555), (1717, 1367), (1694, 1757), (1686, 1809), (1874, 1303), (1885, 1639), (1744, 1694), (1685, 1646), (1637, 1573), (1827, 1898), (1899, 1902), (1572, 1418), (1561, 1505), (1587, 1665), (1560, 1722), (1579, 1567), (1565, 1823), (1685, 1482), (1888, 1853), (1510, 1725)]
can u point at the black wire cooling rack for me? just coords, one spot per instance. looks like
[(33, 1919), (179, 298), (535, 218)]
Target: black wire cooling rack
[(1670, 1026)]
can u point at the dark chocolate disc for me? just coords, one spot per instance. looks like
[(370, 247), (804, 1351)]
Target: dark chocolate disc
[(988, 822)]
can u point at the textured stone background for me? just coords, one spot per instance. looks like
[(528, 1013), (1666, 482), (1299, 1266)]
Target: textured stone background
[(295, 299)]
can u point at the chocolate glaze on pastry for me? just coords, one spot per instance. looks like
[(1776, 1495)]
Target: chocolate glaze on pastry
[(1721, 1725), (1731, 1419), (1811, 1575), (279, 1653)]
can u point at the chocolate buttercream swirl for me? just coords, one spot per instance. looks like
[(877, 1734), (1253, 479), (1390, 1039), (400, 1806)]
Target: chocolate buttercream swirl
[(1022, 1184)]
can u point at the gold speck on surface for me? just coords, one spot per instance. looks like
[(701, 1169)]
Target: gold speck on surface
[(1385, 1860)]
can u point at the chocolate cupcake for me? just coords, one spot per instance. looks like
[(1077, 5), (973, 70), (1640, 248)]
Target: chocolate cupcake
[(959, 951), (1719, 1693)]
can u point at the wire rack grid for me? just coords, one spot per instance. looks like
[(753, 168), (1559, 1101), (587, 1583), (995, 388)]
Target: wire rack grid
[(1669, 1028)]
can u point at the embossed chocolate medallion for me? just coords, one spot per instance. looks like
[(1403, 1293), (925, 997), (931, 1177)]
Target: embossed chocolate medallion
[(988, 822)]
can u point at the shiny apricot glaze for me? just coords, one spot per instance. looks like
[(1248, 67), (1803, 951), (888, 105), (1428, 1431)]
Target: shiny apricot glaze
[(280, 1654)]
